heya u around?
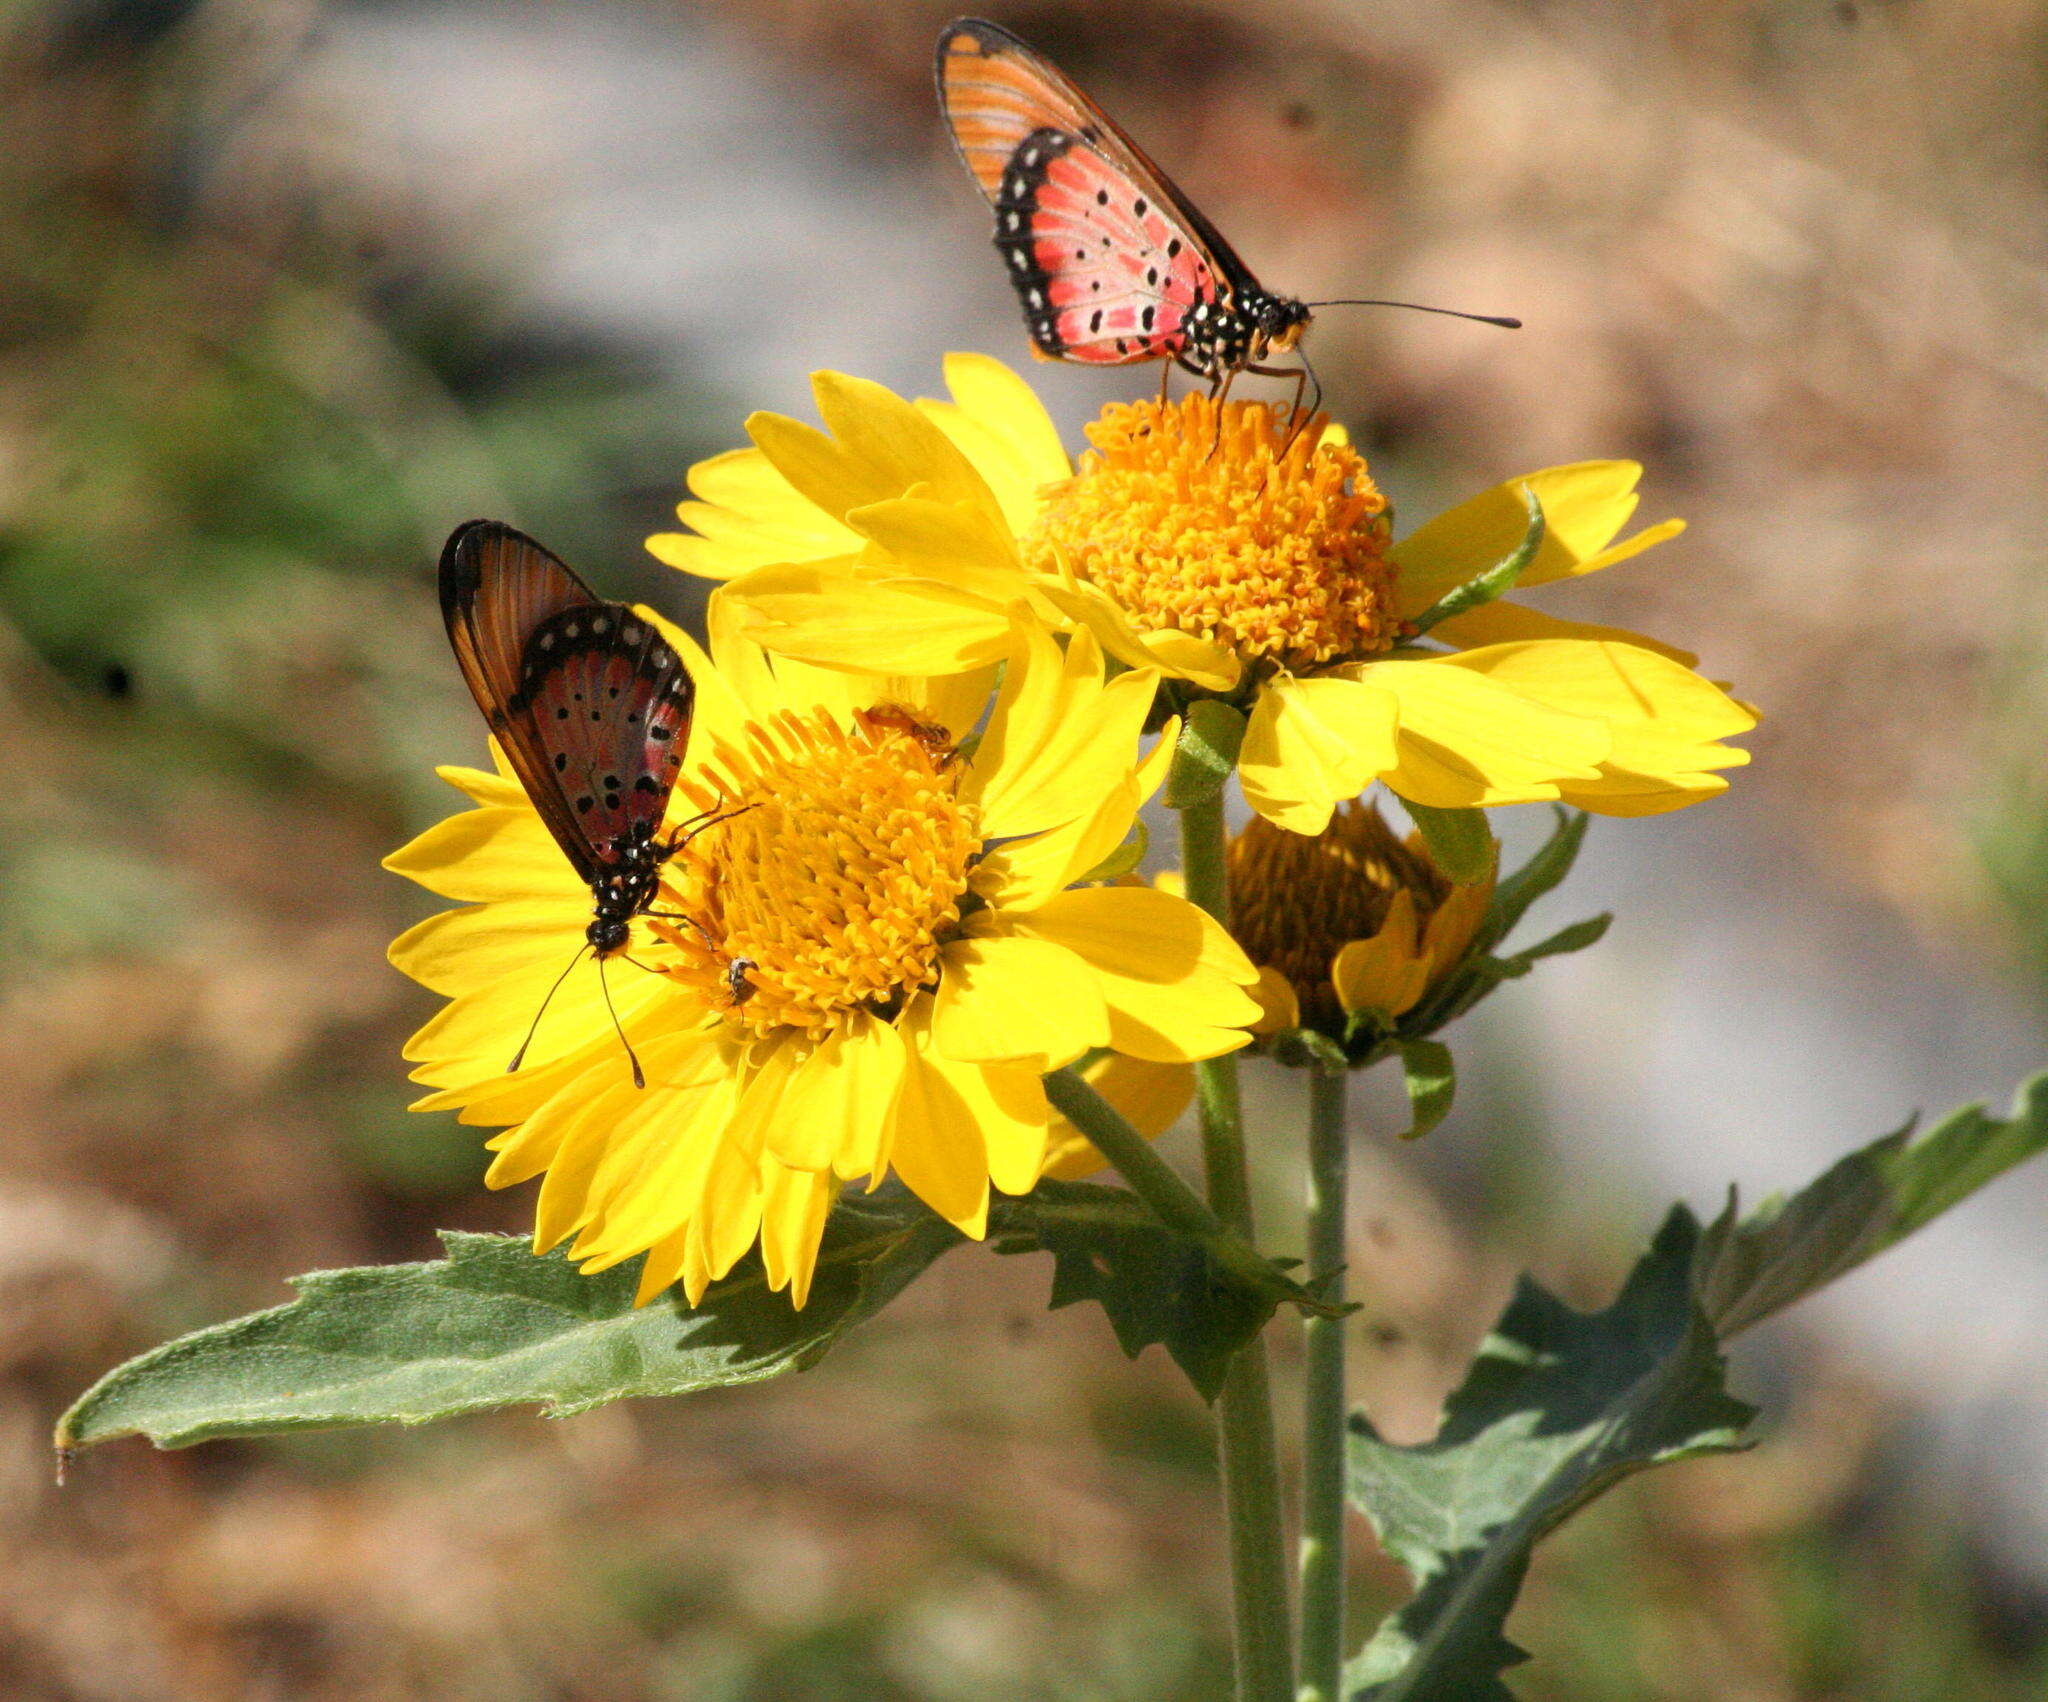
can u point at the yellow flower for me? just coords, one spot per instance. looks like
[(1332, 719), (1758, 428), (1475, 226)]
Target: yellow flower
[(1346, 922), (1352, 920), (1232, 552), (863, 968)]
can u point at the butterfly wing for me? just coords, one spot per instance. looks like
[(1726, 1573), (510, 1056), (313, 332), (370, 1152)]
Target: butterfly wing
[(1108, 257), (589, 701)]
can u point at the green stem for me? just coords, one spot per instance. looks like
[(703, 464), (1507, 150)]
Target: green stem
[(1159, 1185), (1246, 1445), (1322, 1472)]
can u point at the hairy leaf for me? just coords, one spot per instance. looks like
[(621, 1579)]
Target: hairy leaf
[(493, 1325)]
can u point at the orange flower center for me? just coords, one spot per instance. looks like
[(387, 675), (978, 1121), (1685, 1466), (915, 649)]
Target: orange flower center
[(1234, 523), (832, 872)]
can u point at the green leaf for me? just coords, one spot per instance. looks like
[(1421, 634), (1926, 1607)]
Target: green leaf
[(1869, 1201), (493, 1325), (1459, 841), (1559, 1405), (1157, 1286), (1496, 580), (1432, 1082), (1210, 738)]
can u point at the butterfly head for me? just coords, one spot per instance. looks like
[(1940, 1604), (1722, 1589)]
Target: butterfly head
[(1278, 322)]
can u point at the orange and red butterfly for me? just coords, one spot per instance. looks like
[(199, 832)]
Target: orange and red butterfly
[(1112, 263), (591, 705)]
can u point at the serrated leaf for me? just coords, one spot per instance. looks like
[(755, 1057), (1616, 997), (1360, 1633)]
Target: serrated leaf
[(1496, 581), (1459, 841), (1559, 1405), (1156, 1286), (493, 1325), (1865, 1203), (1210, 738), (1432, 1082)]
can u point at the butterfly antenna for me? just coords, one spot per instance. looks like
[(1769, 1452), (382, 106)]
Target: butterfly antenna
[(1500, 319), (632, 1057), (533, 1028)]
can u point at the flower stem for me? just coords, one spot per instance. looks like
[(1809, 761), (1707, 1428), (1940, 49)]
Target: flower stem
[(1159, 1185), (1244, 1411), (1322, 1476)]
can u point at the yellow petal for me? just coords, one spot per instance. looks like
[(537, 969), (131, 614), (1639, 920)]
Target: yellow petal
[(1211, 666), (1058, 737), (840, 618), (479, 855), (1505, 622), (1311, 744), (1464, 749), (834, 1112), (956, 543), (1150, 1097), (1388, 972), (531, 939), (748, 515), (659, 1172), (793, 1208), (1666, 721), (1584, 506), (1172, 979), (937, 1145), (1279, 1005), (1005, 998), (992, 395)]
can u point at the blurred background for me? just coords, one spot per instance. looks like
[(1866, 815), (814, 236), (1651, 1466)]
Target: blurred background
[(288, 288)]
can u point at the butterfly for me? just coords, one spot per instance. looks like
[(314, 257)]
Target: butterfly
[(591, 705), (1113, 263)]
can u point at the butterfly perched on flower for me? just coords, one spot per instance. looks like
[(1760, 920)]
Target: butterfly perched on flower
[(1113, 263), (589, 702)]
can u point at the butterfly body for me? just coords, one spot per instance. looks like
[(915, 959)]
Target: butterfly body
[(589, 702), (1112, 263)]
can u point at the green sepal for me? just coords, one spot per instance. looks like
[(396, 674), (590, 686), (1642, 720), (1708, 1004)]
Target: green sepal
[(1210, 737), (1461, 989), (1542, 873), (1432, 1082), (1498, 579), (1308, 1049), (1559, 1405), (1124, 859), (1459, 841)]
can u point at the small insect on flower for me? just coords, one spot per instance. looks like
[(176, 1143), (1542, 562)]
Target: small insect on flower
[(591, 705), (1112, 262)]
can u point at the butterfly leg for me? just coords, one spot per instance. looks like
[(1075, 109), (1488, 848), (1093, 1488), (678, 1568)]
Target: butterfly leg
[(702, 823), (1297, 421)]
